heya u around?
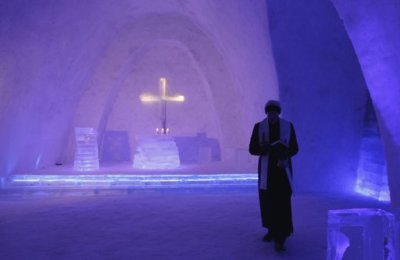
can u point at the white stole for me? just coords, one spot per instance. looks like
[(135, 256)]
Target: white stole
[(263, 139)]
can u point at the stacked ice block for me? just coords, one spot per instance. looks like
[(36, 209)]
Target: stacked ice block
[(86, 150), (371, 174)]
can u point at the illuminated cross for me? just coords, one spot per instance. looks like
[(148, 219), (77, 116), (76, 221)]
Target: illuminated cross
[(163, 99)]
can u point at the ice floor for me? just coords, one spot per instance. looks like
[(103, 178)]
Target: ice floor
[(160, 224)]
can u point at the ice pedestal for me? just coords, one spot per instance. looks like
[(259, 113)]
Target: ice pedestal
[(156, 152), (367, 234), (86, 150)]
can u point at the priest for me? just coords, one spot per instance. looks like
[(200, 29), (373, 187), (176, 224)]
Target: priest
[(274, 141)]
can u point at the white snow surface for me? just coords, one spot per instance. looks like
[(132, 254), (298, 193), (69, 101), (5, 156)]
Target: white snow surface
[(163, 224)]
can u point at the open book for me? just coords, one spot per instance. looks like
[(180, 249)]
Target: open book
[(279, 149)]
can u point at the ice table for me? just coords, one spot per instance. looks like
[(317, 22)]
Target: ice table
[(362, 233)]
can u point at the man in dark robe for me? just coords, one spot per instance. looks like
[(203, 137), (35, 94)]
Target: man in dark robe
[(274, 141)]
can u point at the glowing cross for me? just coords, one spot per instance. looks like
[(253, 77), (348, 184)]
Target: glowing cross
[(163, 99)]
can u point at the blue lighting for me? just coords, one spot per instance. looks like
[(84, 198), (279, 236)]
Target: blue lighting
[(39, 158)]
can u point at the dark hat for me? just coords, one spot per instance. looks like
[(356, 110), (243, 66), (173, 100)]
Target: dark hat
[(273, 105)]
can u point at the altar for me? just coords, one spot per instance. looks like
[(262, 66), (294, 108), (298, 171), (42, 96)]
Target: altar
[(156, 152)]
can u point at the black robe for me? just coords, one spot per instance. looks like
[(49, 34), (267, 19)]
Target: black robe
[(275, 202)]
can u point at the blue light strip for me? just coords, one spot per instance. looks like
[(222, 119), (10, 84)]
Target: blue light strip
[(119, 180)]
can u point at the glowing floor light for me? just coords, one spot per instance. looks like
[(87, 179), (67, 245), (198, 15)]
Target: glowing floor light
[(118, 181), (373, 185), (86, 150)]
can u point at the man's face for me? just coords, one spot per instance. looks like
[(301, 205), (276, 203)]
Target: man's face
[(273, 116)]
